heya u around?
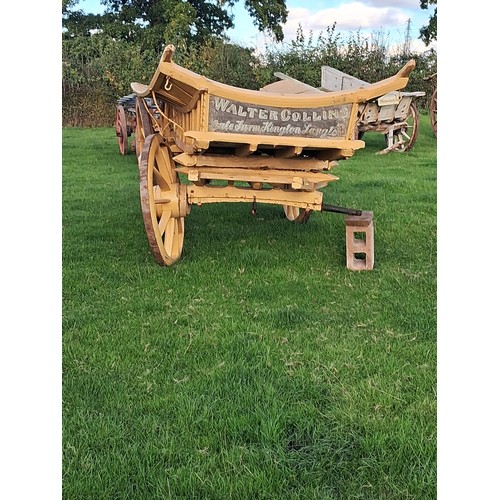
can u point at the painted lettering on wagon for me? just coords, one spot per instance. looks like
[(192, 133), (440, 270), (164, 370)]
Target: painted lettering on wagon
[(230, 116)]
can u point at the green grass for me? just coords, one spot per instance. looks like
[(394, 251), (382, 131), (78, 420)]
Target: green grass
[(258, 366)]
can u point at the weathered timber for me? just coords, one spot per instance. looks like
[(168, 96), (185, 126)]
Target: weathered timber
[(263, 162), (299, 180)]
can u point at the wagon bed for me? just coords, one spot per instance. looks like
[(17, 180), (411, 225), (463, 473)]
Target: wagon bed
[(200, 141)]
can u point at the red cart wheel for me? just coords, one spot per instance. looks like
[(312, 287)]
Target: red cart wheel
[(133, 126), (121, 129), (434, 111)]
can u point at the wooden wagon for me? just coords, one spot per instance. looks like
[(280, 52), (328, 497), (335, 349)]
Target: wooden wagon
[(260, 147), (393, 114), (126, 121)]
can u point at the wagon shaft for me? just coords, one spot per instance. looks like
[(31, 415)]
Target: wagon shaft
[(199, 141)]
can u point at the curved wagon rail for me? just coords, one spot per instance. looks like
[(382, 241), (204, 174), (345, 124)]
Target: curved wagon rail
[(200, 141)]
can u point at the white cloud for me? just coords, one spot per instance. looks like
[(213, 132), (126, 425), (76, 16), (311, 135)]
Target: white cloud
[(386, 18), (348, 17), (416, 47), (408, 4)]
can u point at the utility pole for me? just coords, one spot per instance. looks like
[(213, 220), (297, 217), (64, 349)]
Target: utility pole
[(407, 42)]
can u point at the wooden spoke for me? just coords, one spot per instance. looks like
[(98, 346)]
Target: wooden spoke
[(174, 235), (405, 137), (160, 180), (121, 129), (433, 111), (143, 126), (162, 223), (296, 214), (167, 173), (163, 208)]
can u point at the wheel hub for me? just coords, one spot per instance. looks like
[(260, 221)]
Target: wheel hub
[(175, 201)]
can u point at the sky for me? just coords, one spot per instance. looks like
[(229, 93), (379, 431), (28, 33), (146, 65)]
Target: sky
[(367, 16)]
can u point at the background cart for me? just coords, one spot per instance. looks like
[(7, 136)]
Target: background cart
[(394, 114), (206, 142), (126, 122)]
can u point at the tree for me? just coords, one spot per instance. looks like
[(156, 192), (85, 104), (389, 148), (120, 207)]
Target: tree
[(155, 22), (429, 33), (67, 4)]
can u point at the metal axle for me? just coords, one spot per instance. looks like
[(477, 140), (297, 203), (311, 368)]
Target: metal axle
[(340, 210)]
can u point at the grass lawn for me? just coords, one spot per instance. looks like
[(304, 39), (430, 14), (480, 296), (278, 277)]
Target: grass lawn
[(258, 366)]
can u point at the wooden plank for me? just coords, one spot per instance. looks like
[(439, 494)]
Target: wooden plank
[(245, 150), (335, 80), (215, 194), (290, 86), (193, 102), (177, 93), (413, 94), (335, 154), (304, 142), (288, 152), (403, 109), (353, 120), (255, 162), (389, 99), (299, 179)]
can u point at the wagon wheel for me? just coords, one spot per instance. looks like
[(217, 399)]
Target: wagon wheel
[(407, 135), (434, 111), (163, 200), (121, 129), (133, 126), (296, 214), (143, 127)]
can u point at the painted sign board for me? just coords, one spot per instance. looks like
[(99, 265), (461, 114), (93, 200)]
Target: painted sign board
[(230, 116)]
